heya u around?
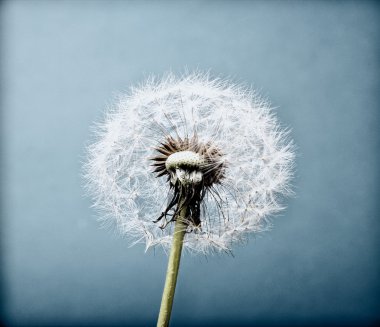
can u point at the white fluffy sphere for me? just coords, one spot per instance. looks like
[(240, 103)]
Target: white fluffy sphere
[(259, 160)]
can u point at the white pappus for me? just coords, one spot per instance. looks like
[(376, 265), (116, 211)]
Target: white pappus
[(221, 139)]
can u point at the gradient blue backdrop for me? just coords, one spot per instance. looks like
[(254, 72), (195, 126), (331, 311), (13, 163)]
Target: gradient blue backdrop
[(62, 64)]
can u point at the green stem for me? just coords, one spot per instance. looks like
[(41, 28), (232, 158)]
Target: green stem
[(172, 272)]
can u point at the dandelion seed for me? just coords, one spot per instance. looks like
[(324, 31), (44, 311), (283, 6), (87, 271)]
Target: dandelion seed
[(193, 160)]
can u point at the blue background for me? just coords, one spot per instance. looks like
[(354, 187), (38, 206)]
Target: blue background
[(62, 64)]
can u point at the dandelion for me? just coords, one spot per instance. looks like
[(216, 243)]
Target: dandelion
[(195, 162)]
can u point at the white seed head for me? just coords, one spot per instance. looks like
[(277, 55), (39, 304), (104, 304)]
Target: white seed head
[(188, 159), (259, 159)]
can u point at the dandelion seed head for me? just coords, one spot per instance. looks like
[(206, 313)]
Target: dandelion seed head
[(215, 140)]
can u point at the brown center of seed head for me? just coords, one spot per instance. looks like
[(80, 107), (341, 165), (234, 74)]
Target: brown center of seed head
[(191, 168)]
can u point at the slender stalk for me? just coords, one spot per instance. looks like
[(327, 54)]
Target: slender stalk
[(172, 272)]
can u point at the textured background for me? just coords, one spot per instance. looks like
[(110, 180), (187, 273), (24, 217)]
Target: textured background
[(62, 63)]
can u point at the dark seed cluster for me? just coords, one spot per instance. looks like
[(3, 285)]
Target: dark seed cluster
[(189, 195)]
